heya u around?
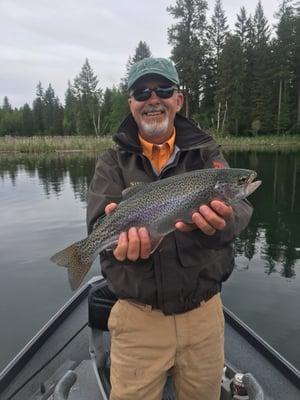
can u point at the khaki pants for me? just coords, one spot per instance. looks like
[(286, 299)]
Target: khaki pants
[(146, 345)]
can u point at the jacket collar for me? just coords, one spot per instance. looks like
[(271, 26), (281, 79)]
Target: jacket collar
[(188, 135)]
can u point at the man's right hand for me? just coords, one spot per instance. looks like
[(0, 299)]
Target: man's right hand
[(133, 244)]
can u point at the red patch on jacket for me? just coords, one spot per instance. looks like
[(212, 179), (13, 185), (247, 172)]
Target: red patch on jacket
[(217, 164)]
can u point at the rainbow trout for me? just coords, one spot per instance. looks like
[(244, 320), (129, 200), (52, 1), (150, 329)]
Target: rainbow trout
[(157, 206)]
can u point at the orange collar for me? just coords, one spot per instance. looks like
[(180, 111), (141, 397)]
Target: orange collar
[(158, 154)]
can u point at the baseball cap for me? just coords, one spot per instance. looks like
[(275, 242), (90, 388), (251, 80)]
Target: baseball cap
[(156, 66)]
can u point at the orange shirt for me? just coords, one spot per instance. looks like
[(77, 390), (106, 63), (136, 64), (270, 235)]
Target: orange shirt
[(158, 154)]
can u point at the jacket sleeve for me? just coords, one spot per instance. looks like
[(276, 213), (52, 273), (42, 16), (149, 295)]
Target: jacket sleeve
[(106, 187), (242, 211)]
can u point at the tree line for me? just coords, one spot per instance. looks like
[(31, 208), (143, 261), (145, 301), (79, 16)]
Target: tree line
[(244, 81)]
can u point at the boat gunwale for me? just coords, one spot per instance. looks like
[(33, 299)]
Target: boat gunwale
[(276, 359), (35, 343)]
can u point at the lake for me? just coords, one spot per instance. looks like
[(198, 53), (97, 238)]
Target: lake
[(43, 203)]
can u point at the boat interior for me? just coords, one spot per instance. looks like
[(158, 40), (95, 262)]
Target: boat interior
[(70, 357)]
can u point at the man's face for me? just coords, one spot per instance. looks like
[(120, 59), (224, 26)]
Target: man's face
[(155, 116)]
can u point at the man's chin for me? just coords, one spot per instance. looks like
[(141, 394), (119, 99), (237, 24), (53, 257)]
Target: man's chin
[(154, 130)]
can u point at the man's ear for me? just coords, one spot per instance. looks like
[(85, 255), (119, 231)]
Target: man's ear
[(129, 101), (180, 100)]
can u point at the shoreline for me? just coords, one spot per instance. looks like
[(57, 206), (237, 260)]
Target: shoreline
[(82, 144)]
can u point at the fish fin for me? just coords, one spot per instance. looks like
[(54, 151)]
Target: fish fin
[(134, 188), (77, 266), (155, 242), (76, 275)]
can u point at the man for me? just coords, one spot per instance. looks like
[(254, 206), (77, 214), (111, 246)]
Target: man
[(169, 317)]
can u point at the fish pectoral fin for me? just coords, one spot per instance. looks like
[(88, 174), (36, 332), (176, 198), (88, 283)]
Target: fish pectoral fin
[(155, 242)]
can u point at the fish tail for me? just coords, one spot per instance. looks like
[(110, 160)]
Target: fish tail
[(71, 258)]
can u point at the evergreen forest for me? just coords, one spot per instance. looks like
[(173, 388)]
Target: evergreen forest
[(243, 81)]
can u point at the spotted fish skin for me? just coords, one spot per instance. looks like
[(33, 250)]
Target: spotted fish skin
[(157, 206)]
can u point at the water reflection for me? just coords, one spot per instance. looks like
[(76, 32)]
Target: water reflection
[(274, 232), (52, 171)]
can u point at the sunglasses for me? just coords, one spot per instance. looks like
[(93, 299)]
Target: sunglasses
[(161, 92)]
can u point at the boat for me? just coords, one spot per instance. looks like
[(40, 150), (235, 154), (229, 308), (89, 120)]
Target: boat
[(69, 357)]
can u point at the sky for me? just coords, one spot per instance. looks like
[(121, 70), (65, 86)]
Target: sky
[(48, 41)]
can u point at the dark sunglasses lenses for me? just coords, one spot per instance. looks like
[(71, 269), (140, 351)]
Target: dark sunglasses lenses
[(145, 94)]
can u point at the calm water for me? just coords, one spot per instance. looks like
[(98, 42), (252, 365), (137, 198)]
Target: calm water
[(43, 201)]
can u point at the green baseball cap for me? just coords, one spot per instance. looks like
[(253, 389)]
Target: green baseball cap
[(156, 66)]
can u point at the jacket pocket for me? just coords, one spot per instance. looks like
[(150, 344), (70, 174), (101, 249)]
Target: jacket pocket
[(215, 264)]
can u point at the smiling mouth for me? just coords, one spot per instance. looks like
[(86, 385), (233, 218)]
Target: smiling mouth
[(153, 113)]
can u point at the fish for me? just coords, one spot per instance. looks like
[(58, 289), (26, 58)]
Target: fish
[(157, 206)]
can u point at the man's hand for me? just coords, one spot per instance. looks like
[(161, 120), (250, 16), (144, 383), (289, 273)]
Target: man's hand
[(133, 244), (209, 219)]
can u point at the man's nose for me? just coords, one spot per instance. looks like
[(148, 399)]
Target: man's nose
[(153, 98)]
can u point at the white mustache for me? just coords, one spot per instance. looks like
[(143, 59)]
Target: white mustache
[(152, 109)]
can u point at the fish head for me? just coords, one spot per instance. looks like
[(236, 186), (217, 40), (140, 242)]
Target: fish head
[(234, 184)]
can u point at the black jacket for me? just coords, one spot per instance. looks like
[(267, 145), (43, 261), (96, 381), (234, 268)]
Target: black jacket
[(187, 267)]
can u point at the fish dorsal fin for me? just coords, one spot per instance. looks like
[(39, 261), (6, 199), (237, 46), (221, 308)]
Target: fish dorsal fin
[(134, 188)]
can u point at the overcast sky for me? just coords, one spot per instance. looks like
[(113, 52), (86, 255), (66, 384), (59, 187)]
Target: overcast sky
[(48, 41)]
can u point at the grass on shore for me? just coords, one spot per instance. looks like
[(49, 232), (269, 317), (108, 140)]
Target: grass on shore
[(50, 144)]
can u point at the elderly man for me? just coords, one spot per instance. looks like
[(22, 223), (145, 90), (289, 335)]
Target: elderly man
[(169, 317)]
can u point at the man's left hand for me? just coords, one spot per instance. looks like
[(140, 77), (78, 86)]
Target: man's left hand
[(209, 219)]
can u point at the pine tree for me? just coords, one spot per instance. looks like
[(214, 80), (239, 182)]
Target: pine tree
[(52, 113), (249, 59), (89, 97), (6, 105), (38, 109), (217, 34), (218, 31), (189, 43), (261, 73), (142, 51), (119, 109), (241, 26), (70, 111), (284, 55), (10, 122), (230, 91), (27, 124), (106, 110), (58, 118), (48, 110)]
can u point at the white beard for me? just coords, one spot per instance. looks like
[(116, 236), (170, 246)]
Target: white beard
[(156, 128)]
